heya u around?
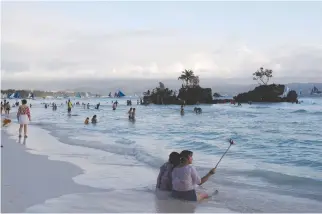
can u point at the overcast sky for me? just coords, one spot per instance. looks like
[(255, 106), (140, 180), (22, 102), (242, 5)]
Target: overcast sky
[(43, 40)]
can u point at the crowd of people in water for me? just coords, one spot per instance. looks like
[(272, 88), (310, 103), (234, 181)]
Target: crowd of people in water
[(70, 105)]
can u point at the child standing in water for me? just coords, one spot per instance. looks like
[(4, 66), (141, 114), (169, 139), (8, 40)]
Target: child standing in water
[(94, 119), (86, 121)]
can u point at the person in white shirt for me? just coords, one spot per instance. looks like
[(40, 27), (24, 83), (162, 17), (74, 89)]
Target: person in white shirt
[(185, 177)]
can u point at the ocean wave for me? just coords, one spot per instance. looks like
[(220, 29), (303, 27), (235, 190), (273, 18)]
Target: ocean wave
[(120, 146), (300, 111), (303, 111), (259, 107), (284, 179)]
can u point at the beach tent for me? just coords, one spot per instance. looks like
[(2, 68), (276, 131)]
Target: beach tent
[(120, 94)]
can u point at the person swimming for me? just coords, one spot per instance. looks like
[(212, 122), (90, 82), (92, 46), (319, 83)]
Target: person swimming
[(182, 110), (133, 114), (185, 177), (94, 119), (164, 180), (86, 121)]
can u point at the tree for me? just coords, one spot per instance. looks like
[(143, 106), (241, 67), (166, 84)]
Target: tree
[(186, 76), (194, 81), (262, 76)]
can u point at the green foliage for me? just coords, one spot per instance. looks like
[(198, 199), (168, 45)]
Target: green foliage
[(263, 76), (189, 79)]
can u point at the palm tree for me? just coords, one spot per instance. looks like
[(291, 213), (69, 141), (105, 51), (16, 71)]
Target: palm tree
[(186, 76)]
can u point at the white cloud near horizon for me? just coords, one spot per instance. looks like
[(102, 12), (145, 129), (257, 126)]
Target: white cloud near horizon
[(46, 45)]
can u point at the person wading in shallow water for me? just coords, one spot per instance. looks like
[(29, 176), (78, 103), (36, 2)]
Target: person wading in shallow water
[(69, 106), (185, 177)]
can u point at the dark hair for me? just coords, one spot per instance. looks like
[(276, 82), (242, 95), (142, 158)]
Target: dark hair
[(184, 155), (174, 158), (94, 115), (24, 101)]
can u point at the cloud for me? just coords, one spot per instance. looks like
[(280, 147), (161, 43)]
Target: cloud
[(41, 45)]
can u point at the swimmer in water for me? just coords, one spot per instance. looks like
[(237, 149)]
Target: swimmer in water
[(129, 113), (94, 119), (133, 114), (86, 121), (182, 110)]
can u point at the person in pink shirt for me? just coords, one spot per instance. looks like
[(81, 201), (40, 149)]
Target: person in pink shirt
[(185, 178)]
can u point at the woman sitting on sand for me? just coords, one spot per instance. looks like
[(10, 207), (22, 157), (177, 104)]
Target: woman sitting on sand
[(94, 119), (164, 181), (185, 177), (23, 116)]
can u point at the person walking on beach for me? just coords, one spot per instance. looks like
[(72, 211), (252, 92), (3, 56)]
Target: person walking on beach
[(185, 177), (23, 116)]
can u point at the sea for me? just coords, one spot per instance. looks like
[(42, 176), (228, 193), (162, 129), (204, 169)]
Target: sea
[(275, 164)]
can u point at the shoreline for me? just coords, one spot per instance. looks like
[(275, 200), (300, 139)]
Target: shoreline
[(30, 179)]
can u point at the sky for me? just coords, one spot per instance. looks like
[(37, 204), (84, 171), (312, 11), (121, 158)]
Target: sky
[(96, 40)]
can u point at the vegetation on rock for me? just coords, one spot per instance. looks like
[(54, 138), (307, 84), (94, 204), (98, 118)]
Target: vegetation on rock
[(262, 76), (190, 93)]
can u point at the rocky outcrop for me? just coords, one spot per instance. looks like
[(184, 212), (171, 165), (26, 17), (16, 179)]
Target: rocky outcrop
[(216, 95), (266, 93), (292, 96), (195, 95), (187, 96), (160, 96)]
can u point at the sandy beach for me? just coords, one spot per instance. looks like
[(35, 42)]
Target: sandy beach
[(28, 179)]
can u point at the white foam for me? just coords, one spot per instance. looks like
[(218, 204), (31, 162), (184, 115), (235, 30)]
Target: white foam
[(101, 168)]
